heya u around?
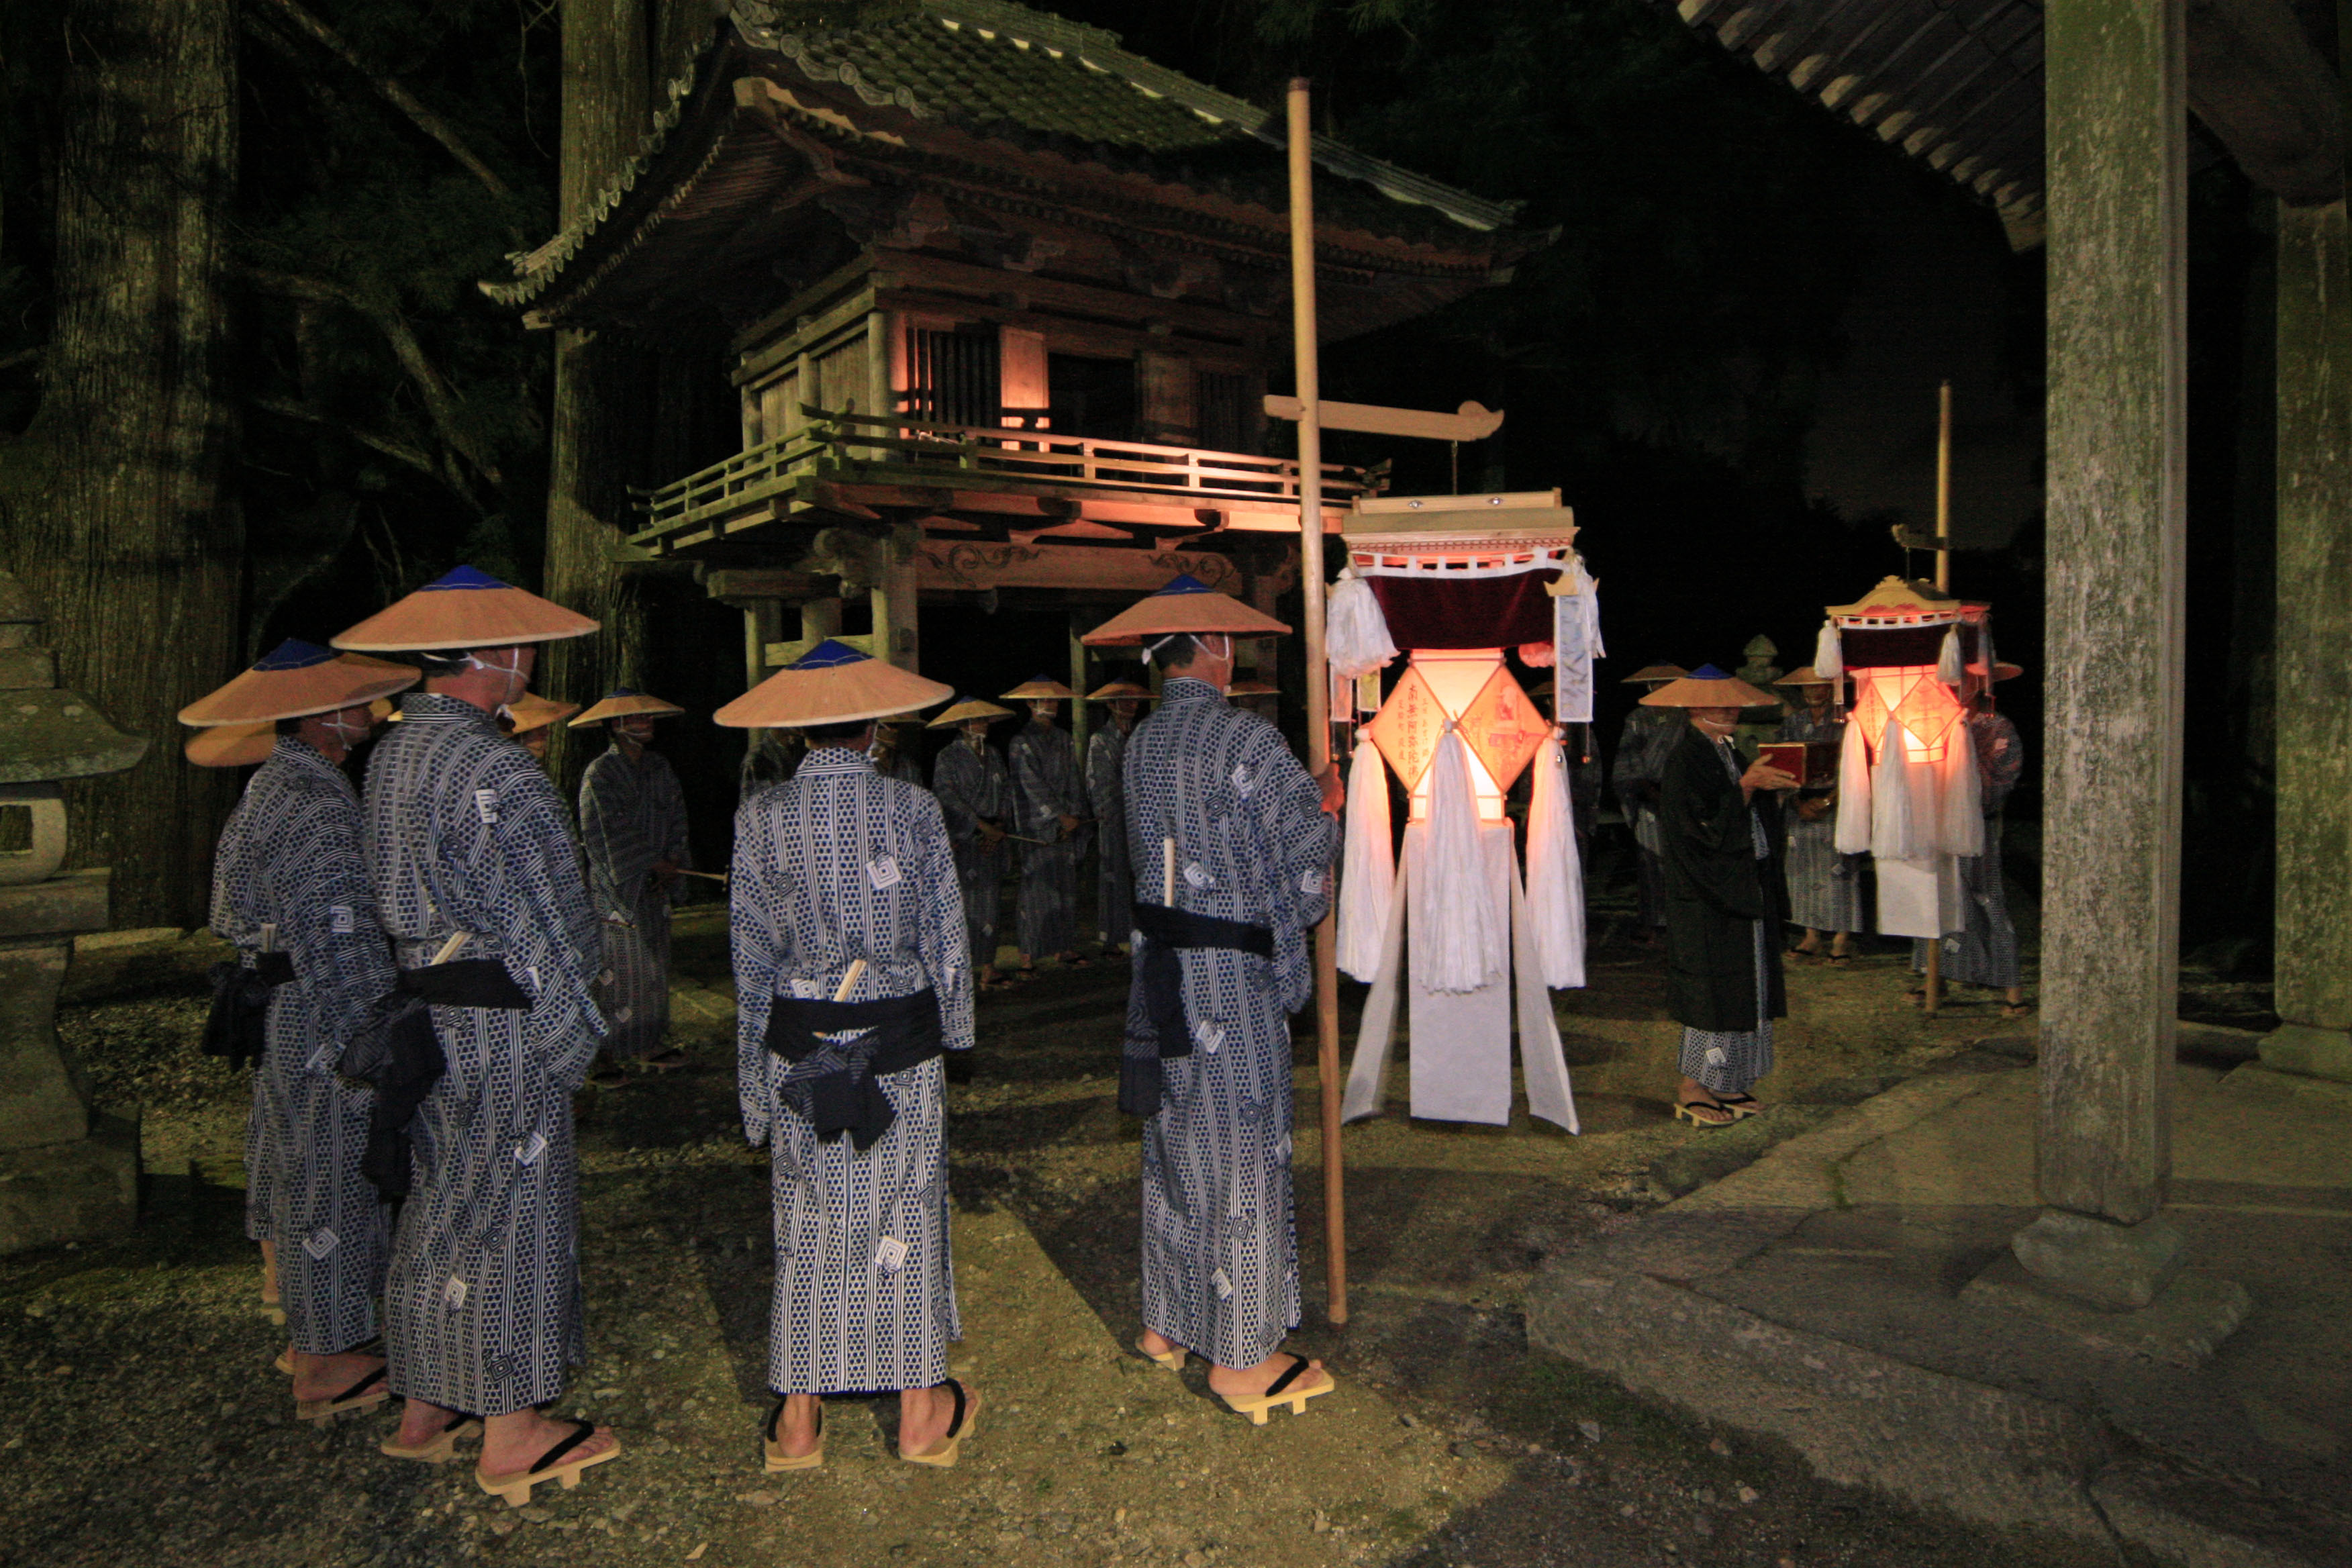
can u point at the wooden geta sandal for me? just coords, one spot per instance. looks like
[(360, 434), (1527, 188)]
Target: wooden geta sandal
[(775, 1458), (1691, 1110), (945, 1451), (365, 1394), (1172, 1358), (437, 1449), (1284, 1390), (553, 1466)]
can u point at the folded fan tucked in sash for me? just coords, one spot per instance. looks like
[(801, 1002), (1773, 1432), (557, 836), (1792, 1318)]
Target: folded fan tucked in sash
[(1160, 969), (830, 1083)]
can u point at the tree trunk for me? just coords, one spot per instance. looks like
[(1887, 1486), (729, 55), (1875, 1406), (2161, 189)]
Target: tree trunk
[(127, 538), (594, 442)]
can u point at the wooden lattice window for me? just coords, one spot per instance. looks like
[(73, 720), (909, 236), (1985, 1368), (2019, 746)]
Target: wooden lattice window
[(953, 376)]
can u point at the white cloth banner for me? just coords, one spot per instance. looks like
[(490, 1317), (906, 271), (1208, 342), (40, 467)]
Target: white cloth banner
[(1468, 936), (1367, 869), (1555, 876)]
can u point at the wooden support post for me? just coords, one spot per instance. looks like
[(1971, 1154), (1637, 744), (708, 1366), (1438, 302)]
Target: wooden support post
[(2313, 967), (2115, 77), (895, 598), (1931, 990), (1079, 716), (1318, 681)]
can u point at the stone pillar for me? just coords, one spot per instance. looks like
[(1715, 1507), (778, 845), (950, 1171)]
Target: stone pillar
[(2314, 966), (2115, 77)]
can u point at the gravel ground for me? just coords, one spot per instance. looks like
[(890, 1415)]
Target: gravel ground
[(140, 1422)]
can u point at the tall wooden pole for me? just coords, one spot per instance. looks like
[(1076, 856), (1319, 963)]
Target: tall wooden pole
[(1931, 994), (1318, 678)]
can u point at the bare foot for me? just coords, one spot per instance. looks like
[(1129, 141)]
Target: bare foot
[(924, 1415), (269, 1272), (1157, 1343), (421, 1422), (797, 1430), (513, 1443), (1245, 1383), (326, 1376)]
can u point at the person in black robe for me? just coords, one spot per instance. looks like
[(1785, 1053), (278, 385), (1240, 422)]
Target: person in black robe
[(1719, 827)]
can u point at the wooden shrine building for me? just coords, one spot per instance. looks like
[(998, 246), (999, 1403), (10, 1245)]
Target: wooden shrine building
[(999, 301)]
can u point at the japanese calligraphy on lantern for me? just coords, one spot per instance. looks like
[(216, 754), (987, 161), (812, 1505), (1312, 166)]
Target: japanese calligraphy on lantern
[(1407, 728)]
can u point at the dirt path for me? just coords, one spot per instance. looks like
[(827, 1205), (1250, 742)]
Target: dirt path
[(140, 1423)]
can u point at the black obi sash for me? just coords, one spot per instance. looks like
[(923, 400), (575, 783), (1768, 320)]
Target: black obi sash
[(830, 1084), (1159, 976), (396, 1054)]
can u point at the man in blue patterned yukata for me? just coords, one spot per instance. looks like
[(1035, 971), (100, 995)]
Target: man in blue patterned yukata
[(1232, 844), (290, 891), (477, 881), (853, 973), (1107, 793), (633, 831), (1049, 810), (975, 793)]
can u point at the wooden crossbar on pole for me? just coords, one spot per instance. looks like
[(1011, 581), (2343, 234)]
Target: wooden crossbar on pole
[(1318, 678)]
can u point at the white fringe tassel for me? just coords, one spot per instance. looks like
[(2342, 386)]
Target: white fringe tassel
[(1472, 936), (1853, 809), (1947, 663), (1829, 653), (1961, 829), (1355, 631), (1895, 832), (1368, 869), (1555, 874)]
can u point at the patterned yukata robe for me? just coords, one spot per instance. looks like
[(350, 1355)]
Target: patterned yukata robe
[(1824, 886), (289, 857), (974, 786), (631, 815), (836, 865), (1045, 788), (465, 833), (1643, 747), (1114, 871), (1253, 843), (1983, 952)]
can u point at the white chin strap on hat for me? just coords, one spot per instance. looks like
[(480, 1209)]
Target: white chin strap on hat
[(1200, 639)]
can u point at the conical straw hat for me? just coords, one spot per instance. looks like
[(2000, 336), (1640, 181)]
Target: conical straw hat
[(2001, 669), (1039, 688), (833, 683), (620, 701), (1804, 675), (1708, 687), (1654, 672), (1253, 688), (1120, 690), (1185, 604), (968, 709), (531, 711), (465, 609), (295, 679), (231, 745)]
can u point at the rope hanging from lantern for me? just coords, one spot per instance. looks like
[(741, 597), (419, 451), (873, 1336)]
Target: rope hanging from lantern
[(1469, 939), (1555, 874), (1367, 867)]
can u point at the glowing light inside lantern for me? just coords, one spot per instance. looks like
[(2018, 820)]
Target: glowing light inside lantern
[(1912, 696)]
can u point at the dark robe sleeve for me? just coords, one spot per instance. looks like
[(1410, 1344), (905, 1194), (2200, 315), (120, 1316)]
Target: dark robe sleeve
[(1703, 819)]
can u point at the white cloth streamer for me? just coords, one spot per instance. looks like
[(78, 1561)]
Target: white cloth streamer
[(1367, 869), (1853, 809), (1555, 874), (1471, 945), (1356, 634)]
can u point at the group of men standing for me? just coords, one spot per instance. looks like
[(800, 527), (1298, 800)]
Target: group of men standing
[(434, 977), (1730, 851)]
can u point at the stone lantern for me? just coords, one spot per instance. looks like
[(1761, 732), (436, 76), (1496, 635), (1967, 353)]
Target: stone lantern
[(65, 1171)]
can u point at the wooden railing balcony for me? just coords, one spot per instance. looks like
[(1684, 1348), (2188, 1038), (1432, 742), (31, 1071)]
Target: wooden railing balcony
[(894, 449)]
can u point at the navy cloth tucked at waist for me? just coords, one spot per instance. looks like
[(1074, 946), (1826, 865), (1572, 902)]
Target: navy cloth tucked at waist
[(1159, 976), (467, 983), (830, 1083), (238, 1026)]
